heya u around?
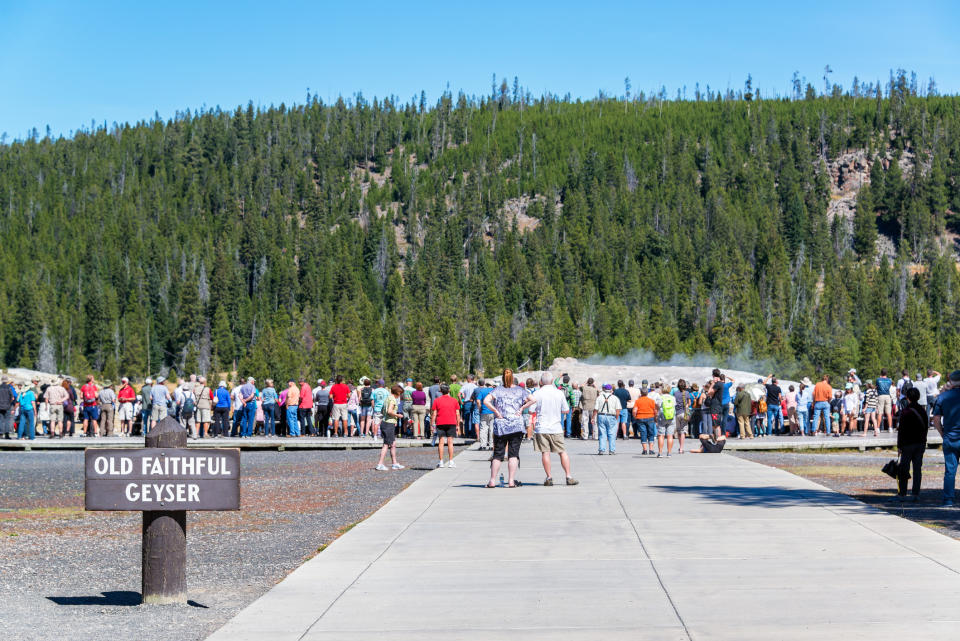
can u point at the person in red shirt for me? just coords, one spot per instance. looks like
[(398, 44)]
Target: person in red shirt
[(339, 395), (445, 416), (126, 397), (91, 414), (305, 409)]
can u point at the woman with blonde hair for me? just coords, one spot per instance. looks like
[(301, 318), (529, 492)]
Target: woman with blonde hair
[(507, 402)]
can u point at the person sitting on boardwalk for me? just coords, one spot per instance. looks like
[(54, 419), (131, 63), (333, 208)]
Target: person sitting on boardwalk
[(507, 403), (547, 435)]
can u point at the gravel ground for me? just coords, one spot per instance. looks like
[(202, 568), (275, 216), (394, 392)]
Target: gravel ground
[(63, 569), (858, 475)]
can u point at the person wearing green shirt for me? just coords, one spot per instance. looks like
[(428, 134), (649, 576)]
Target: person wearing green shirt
[(564, 384), (743, 405), (455, 387)]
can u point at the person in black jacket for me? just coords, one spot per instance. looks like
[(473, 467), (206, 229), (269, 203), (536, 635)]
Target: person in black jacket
[(911, 443), (8, 398)]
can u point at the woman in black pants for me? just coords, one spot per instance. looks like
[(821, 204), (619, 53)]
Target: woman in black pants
[(221, 421), (911, 442)]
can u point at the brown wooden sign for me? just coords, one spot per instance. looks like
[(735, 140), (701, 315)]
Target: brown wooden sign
[(162, 479)]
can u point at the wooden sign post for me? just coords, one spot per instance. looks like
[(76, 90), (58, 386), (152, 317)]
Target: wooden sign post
[(164, 480)]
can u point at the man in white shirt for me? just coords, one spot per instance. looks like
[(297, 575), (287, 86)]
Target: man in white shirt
[(551, 406), (931, 387), (238, 407), (605, 412), (466, 404), (904, 379)]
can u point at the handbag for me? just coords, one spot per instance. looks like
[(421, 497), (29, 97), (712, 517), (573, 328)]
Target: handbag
[(891, 468)]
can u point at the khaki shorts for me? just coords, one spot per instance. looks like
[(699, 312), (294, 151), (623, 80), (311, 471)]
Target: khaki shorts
[(204, 415), (125, 413), (158, 412), (56, 413), (884, 404), (549, 443), (339, 412)]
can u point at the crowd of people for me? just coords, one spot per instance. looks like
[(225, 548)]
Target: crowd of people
[(498, 414)]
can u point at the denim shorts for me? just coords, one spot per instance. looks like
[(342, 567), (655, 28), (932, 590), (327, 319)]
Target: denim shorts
[(91, 413), (624, 416), (366, 411)]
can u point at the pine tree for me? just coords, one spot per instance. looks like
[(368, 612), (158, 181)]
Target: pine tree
[(222, 338), (865, 225)]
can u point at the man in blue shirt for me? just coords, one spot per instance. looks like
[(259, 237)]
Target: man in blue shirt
[(946, 419), (248, 395), (483, 415), (28, 411), (884, 399)]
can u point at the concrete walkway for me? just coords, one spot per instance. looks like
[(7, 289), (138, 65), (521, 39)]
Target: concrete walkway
[(692, 547)]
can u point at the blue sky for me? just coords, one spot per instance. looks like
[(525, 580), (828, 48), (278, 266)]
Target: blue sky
[(63, 63)]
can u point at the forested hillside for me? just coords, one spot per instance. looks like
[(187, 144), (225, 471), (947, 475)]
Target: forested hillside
[(476, 233)]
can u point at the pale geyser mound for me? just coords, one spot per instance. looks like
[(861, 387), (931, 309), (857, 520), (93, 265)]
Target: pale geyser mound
[(608, 370)]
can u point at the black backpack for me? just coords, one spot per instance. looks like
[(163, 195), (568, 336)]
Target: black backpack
[(6, 397), (366, 396)]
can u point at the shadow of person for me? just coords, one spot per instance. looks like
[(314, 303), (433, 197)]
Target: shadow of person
[(113, 598), (122, 597)]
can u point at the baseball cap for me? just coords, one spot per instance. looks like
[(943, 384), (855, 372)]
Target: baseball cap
[(848, 386), (607, 386), (955, 376), (409, 380)]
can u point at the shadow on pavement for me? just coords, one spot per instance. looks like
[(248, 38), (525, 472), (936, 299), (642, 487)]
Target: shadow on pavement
[(773, 497)]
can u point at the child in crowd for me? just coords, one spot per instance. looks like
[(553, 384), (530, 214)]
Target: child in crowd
[(388, 428), (836, 410)]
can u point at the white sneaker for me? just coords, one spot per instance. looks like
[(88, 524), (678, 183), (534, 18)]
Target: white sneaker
[(381, 468), (396, 466), (451, 464), (439, 464)]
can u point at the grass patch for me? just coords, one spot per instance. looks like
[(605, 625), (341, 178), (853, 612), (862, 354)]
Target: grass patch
[(848, 471), (347, 528), (340, 532), (42, 513)]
